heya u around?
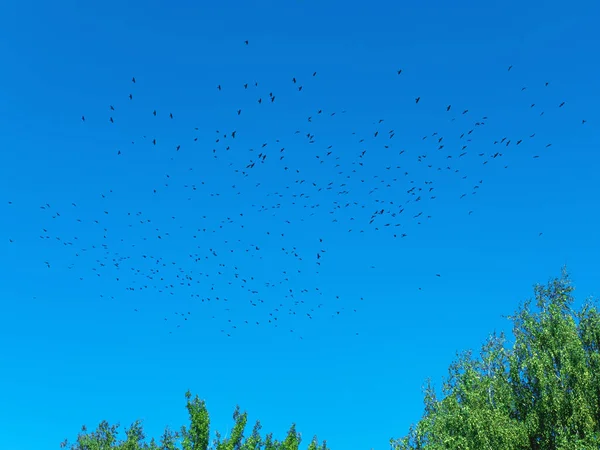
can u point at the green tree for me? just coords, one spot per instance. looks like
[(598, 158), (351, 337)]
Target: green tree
[(541, 394), (194, 437)]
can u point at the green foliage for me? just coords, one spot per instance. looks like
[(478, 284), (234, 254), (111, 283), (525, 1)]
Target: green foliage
[(542, 394), (195, 437)]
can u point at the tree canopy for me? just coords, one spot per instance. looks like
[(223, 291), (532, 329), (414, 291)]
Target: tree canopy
[(194, 437), (542, 392)]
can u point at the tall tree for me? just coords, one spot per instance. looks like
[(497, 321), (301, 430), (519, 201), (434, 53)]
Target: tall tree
[(541, 394), (194, 437)]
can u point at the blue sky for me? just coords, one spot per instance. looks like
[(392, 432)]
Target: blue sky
[(74, 350)]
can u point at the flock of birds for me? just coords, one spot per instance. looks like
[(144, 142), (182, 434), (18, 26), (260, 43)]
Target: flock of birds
[(299, 182)]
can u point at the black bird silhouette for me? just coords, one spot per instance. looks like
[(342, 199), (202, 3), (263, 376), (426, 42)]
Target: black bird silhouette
[(328, 156), (133, 79)]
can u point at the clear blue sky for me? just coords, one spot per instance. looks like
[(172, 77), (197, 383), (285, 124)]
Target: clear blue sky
[(74, 350)]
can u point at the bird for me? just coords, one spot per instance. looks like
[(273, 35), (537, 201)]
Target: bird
[(301, 191)]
